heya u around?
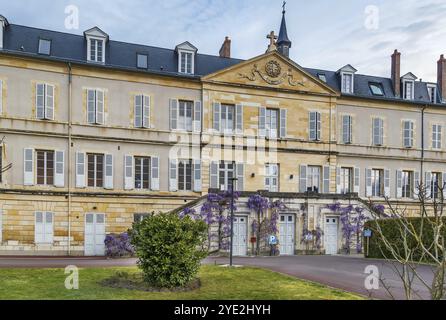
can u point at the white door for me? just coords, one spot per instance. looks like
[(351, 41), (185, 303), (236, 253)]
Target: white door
[(94, 234), (240, 242), (286, 234), (331, 235)]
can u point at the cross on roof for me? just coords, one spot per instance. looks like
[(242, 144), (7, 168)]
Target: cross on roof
[(283, 6), (272, 38)]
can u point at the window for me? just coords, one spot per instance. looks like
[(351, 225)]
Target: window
[(1, 164), (436, 136), (97, 53), (322, 77), (226, 172), (272, 177), (142, 111), (408, 134), (186, 63), (315, 126), (313, 178), (185, 115), (377, 89), (408, 90), (95, 106), (347, 129), (436, 184), (43, 227), (346, 180), (272, 123), (45, 167), (138, 217), (185, 175), (227, 118), (378, 132), (347, 83), (377, 180), (406, 183), (142, 172), (432, 91), (44, 101), (95, 170), (44, 46), (142, 61)]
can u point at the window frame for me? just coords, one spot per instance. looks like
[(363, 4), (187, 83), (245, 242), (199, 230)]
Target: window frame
[(48, 172), (226, 171), (269, 122), (39, 51), (270, 176), (228, 107), (187, 62), (432, 93), (408, 141), (374, 175), (378, 86), (186, 172), (350, 129), (95, 170), (138, 55), (380, 129), (312, 177), (435, 184), (346, 180), (142, 172), (437, 136), (412, 92), (96, 102), (45, 97), (317, 123), (407, 178), (90, 47), (344, 77)]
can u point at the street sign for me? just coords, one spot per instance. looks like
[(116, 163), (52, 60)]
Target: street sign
[(367, 233), (272, 240)]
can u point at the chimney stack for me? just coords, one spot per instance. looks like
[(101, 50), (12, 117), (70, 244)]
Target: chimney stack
[(441, 77), (225, 50), (396, 72)]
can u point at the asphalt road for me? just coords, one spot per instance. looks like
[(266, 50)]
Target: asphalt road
[(346, 273)]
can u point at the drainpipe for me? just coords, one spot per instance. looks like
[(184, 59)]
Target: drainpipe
[(422, 143), (69, 153)]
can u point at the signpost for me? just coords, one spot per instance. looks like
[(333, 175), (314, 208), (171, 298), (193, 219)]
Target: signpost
[(367, 236), (231, 249)]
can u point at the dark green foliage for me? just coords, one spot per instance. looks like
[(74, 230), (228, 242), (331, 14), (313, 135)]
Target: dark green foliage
[(169, 249), (391, 230)]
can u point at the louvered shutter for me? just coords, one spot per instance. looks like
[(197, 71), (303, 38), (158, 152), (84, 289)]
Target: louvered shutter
[(216, 117), (173, 175), (239, 119), (146, 112), (59, 170), (155, 177), (303, 178), (213, 172), (197, 116), (240, 176), (128, 172), (262, 121), (283, 123), (326, 179), (80, 170), (108, 183), (197, 175)]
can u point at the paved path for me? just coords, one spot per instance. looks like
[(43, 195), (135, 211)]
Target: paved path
[(341, 272)]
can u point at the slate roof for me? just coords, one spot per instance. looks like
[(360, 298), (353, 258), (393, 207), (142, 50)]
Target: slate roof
[(67, 47)]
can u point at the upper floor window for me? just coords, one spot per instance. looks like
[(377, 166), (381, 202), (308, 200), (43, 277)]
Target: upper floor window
[(436, 184), (142, 111), (221, 174), (436, 136), (185, 170), (347, 83), (408, 81), (97, 50), (345, 180), (408, 90), (1, 164), (96, 40), (186, 62), (185, 115), (322, 77), (44, 46), (378, 132), (142, 61), (45, 167), (407, 183), (408, 133), (315, 126), (314, 178), (432, 91), (95, 106), (95, 170), (44, 101), (377, 182), (142, 172), (272, 123), (272, 177), (346, 129), (186, 58)]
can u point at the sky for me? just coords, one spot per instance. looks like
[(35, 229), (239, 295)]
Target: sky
[(326, 34)]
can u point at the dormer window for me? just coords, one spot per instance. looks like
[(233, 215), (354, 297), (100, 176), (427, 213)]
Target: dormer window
[(3, 24), (186, 58), (347, 79), (432, 91), (376, 89), (408, 81), (44, 46), (322, 77), (142, 61), (96, 41)]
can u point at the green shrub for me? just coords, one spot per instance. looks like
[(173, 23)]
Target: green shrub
[(169, 249), (391, 230)]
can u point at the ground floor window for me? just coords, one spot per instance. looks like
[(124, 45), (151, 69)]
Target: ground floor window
[(346, 180), (185, 175), (272, 177), (43, 227), (95, 170), (314, 178), (435, 185), (407, 182), (138, 217), (45, 167), (142, 172), (226, 172), (377, 179)]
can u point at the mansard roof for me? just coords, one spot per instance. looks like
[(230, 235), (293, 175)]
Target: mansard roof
[(65, 47)]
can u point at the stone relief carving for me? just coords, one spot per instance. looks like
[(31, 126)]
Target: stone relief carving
[(273, 74)]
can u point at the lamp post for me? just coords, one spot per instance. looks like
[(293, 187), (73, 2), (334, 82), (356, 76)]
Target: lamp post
[(232, 221)]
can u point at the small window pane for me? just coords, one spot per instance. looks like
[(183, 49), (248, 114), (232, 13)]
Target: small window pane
[(376, 89), (142, 61), (44, 46), (99, 218)]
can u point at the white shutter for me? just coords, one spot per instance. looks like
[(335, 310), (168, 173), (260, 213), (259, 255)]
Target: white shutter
[(173, 175), (28, 167), (318, 126), (197, 116), (99, 106), (59, 169), (49, 99), (427, 185), (416, 184), (399, 184), (283, 121), (138, 111), (213, 171), (303, 178), (173, 105), (326, 179), (387, 183), (240, 167), (356, 180), (146, 112), (48, 228), (197, 175), (91, 109), (216, 117), (39, 231), (262, 121), (381, 132), (80, 170), (155, 177), (312, 125), (338, 180), (239, 119), (128, 172), (108, 181), (368, 182), (40, 101)]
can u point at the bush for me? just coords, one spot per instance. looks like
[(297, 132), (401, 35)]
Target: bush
[(390, 230), (118, 245), (169, 249)]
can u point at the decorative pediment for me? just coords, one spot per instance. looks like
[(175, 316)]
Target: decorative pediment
[(270, 70), (95, 32)]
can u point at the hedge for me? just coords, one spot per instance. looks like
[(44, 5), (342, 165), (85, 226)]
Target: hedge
[(391, 231)]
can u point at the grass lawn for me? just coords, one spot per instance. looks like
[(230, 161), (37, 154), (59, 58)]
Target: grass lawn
[(217, 283)]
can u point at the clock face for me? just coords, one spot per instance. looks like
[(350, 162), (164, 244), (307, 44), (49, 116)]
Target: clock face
[(273, 69)]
